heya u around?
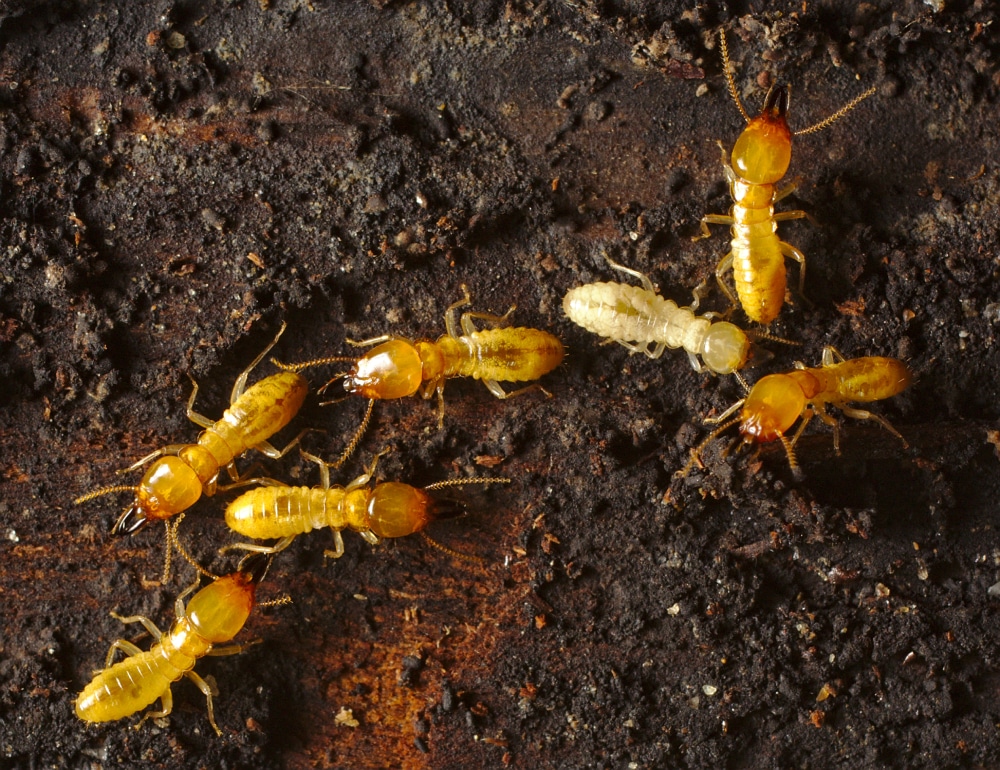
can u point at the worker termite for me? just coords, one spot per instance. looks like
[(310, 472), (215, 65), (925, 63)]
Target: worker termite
[(638, 318), (213, 616), (387, 509), (776, 401), (760, 159), (397, 367), (184, 472)]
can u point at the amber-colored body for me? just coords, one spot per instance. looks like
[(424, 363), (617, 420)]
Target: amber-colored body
[(213, 616), (387, 509), (182, 473), (643, 321), (757, 256), (759, 160), (777, 401), (397, 367)]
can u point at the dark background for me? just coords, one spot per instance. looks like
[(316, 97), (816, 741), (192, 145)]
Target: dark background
[(178, 178)]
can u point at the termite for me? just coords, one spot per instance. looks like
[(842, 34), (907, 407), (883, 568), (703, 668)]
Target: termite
[(213, 616), (398, 367), (387, 509), (641, 320), (776, 401), (184, 472), (759, 160)]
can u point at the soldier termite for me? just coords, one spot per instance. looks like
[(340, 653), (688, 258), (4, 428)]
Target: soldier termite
[(183, 472), (384, 510), (397, 367), (776, 401), (214, 616), (760, 159)]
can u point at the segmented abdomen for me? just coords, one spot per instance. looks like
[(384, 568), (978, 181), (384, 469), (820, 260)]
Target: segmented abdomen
[(870, 379), (507, 355), (627, 313), (273, 512), (758, 264), (260, 412), (131, 684)]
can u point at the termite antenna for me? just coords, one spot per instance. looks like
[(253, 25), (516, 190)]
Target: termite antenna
[(760, 334), (309, 364), (451, 551), (356, 438), (742, 381), (174, 540), (696, 452), (281, 601), (838, 114), (792, 462), (730, 80), (460, 482), (104, 491)]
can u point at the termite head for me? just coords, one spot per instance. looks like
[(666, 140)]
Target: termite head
[(169, 487), (390, 370), (397, 510), (763, 151), (725, 348), (219, 610), (773, 405)]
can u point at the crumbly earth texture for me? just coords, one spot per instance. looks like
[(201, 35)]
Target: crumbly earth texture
[(177, 178)]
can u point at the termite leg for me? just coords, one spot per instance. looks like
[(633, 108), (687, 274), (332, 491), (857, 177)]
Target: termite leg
[(641, 277), (785, 216), (369, 342), (793, 253), (241, 382), (207, 690), (500, 393), (180, 611), (726, 414), (831, 356), (807, 415), (148, 624), (167, 701), (713, 219), (171, 449), (643, 347), (121, 645), (450, 326), (496, 321), (725, 264), (281, 545), (699, 293), (864, 414), (198, 419), (232, 649), (268, 449)]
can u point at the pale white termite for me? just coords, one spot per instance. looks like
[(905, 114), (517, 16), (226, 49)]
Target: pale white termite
[(643, 321)]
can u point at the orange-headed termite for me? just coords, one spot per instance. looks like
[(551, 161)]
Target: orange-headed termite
[(641, 320), (776, 401), (184, 472), (385, 510), (213, 616), (397, 367), (760, 159)]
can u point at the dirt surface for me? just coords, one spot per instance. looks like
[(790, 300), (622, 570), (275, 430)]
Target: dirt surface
[(176, 179)]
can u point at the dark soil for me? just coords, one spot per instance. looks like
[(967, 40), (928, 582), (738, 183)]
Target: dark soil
[(177, 178)]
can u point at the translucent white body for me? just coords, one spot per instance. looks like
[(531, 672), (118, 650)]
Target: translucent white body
[(641, 320)]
